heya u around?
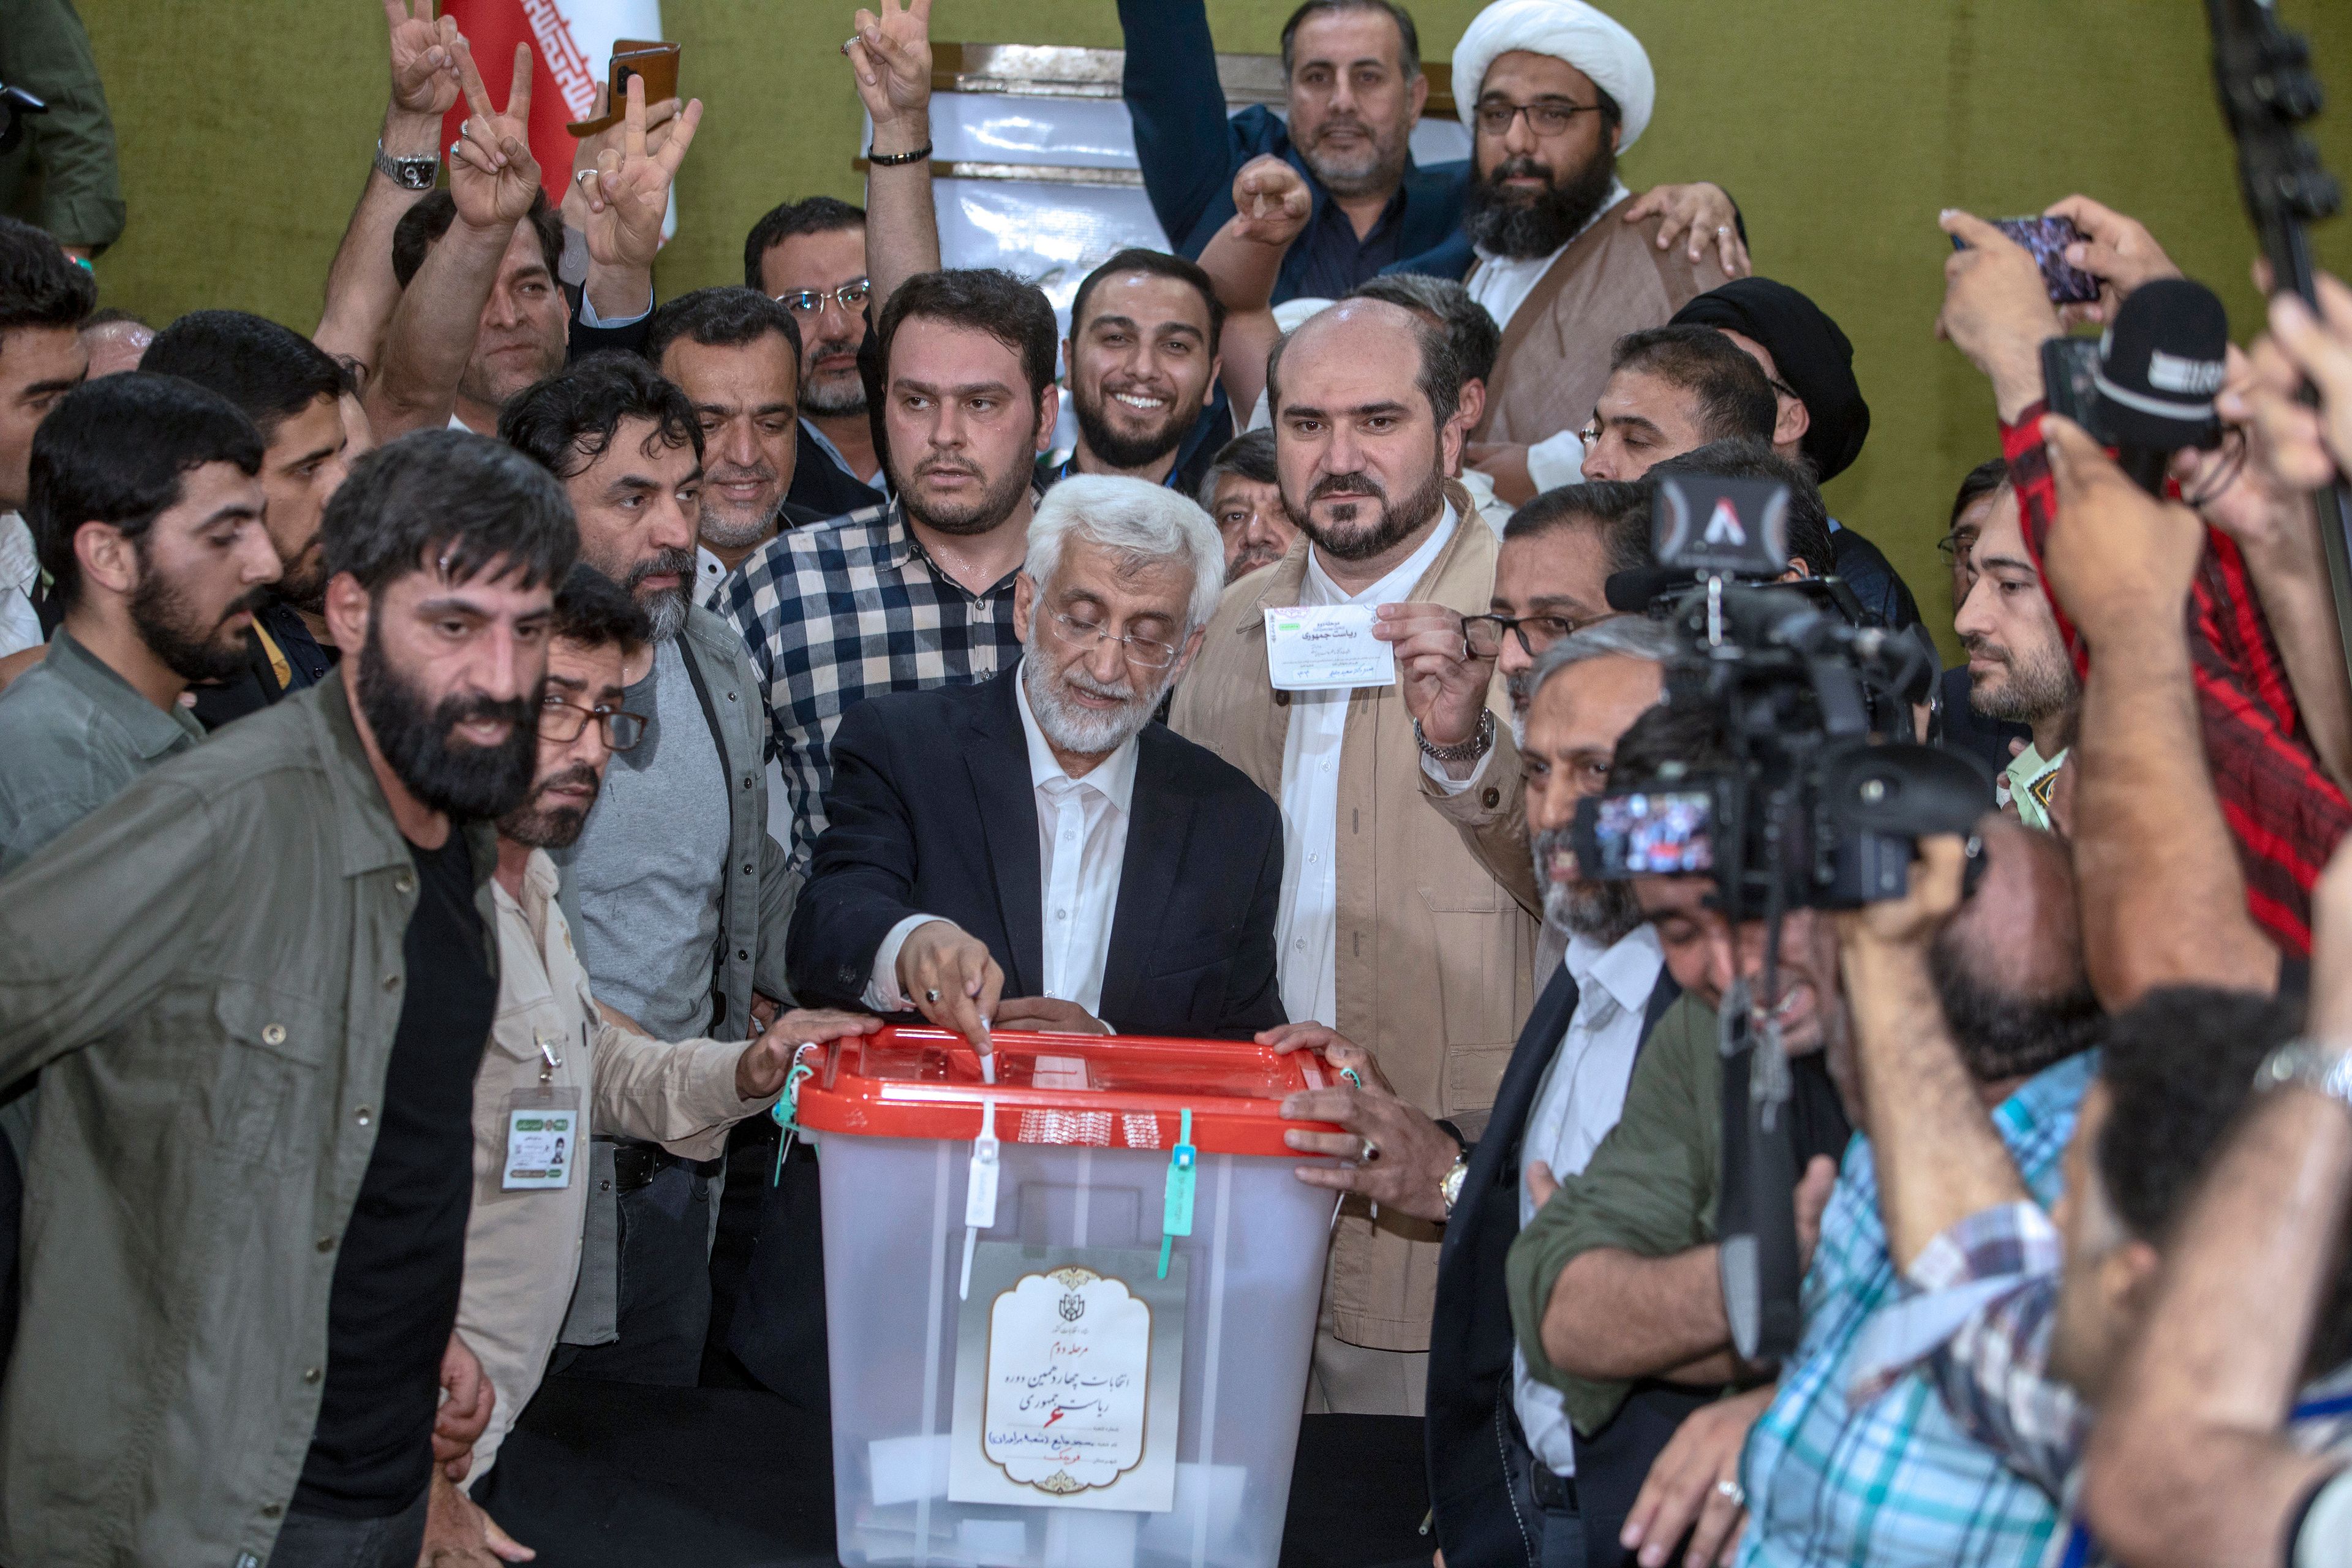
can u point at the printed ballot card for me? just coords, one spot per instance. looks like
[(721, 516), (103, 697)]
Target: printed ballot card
[(1069, 1370), (1327, 648)]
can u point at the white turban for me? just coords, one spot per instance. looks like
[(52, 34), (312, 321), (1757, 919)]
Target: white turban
[(1596, 44)]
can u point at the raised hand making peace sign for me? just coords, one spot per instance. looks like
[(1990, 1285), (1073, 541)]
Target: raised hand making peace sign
[(628, 190), (492, 176), (424, 59), (891, 55)]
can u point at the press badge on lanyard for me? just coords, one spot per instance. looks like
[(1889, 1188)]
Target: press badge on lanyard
[(544, 1140)]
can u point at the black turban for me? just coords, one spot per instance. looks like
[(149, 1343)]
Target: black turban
[(1812, 354)]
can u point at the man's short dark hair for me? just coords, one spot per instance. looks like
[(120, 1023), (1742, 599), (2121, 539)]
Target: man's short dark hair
[(117, 450), (1250, 455), (2177, 1065), (593, 611), (1408, 35), (1439, 377), (38, 286), (1669, 742), (270, 372), (465, 502), (985, 300), (1160, 263), (817, 214), (564, 422), (430, 218), (1468, 327), (1617, 510), (722, 318), (1982, 481), (1809, 516), (1735, 399)]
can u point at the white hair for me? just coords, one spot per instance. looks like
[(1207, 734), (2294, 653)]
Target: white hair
[(1137, 521), (1617, 636)]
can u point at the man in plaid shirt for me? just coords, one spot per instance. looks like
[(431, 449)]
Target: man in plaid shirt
[(917, 593)]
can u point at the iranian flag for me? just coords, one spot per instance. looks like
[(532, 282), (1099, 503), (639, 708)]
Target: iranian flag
[(571, 41)]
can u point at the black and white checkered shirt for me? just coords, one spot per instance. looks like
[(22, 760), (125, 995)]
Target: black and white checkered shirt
[(845, 610)]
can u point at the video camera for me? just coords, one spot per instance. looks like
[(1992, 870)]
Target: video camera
[(1819, 805)]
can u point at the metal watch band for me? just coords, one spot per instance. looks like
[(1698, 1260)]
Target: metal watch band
[(1481, 742), (1449, 1186), (408, 174), (2323, 1069)]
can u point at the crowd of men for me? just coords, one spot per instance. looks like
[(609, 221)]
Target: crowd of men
[(523, 695)]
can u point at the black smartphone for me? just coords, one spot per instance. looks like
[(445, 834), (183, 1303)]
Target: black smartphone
[(2070, 368), (2046, 239)]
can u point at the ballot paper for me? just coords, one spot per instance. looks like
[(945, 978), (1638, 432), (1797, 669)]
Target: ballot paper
[(1327, 648)]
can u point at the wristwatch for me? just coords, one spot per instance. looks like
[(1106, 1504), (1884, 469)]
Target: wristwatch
[(2323, 1069), (408, 174), (1481, 741), (1449, 1186)]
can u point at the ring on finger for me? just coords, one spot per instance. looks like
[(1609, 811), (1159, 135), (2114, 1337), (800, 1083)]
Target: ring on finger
[(932, 996), (1372, 1150), (1733, 1492)]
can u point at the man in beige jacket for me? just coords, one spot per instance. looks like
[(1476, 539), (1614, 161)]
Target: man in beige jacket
[(558, 1066), (1389, 931)]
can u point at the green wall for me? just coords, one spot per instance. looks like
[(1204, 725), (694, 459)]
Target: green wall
[(1841, 125)]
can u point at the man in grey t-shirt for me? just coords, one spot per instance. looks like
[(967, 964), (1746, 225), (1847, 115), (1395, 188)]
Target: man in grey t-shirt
[(679, 897)]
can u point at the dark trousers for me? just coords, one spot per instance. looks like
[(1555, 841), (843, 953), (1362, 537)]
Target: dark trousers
[(323, 1540), (778, 1328), (665, 1297)]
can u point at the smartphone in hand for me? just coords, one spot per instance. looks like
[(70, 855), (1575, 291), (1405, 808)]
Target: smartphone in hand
[(652, 59), (2046, 239)]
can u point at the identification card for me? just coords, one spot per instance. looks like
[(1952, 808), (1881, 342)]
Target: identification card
[(544, 1140), (1327, 648)]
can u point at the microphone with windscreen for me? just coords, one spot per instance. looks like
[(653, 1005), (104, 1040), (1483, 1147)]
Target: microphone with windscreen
[(2147, 388)]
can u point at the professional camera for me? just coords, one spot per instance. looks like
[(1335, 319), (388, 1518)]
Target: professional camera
[(1828, 792)]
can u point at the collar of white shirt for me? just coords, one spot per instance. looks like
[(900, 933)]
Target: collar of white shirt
[(1394, 588), (1617, 192), (1114, 775), (1627, 969)]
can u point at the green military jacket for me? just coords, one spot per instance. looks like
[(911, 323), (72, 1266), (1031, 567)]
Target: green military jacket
[(1649, 1189), (207, 971)]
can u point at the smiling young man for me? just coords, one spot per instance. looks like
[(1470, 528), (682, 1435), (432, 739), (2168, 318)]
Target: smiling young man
[(257, 984), (147, 506), (1142, 357)]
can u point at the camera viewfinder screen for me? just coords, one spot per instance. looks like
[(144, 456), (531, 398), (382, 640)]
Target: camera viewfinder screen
[(1659, 833)]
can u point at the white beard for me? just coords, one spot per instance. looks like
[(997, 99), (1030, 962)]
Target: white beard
[(1085, 730)]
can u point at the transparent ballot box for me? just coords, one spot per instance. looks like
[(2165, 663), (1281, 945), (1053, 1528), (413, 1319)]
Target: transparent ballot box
[(1069, 1311)]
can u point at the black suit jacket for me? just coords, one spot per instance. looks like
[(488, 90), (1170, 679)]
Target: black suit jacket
[(1476, 1455), (933, 811), (824, 486)]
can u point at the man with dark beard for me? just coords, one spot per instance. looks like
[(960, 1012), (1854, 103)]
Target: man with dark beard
[(147, 513), (681, 897), (1142, 357), (1559, 1096), (1157, 866), (1554, 90), (257, 984), (292, 391), (2017, 666), (1436, 985)]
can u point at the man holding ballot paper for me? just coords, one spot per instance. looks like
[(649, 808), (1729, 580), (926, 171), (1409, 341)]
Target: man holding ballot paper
[(1390, 931)]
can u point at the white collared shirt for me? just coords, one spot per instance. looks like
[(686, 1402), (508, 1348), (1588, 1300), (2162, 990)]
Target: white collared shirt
[(1502, 283), (1306, 929), (1081, 846), (1579, 1099), (20, 570)]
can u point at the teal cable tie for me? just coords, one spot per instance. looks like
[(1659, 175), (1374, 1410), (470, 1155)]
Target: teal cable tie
[(1176, 1217)]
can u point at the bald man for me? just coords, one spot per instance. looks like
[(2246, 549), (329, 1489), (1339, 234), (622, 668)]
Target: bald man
[(1390, 932)]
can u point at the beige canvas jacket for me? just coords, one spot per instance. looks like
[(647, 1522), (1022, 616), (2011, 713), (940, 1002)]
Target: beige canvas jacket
[(522, 1248), (1436, 956)]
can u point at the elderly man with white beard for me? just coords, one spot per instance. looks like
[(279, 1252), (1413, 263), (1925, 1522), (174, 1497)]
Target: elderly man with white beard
[(1030, 851)]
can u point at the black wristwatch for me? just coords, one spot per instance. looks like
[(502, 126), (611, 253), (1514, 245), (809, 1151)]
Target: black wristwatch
[(408, 174)]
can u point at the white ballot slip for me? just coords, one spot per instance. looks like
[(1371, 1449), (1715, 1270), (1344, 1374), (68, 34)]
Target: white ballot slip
[(1327, 648)]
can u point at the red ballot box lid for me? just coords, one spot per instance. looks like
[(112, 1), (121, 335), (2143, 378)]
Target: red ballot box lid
[(1116, 1091)]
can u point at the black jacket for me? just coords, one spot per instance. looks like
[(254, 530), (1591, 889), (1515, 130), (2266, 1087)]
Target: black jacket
[(824, 486), (933, 811), (1477, 1457)]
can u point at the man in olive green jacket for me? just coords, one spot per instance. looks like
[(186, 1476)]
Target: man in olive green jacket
[(212, 973)]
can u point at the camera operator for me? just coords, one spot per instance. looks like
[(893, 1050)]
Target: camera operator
[(2027, 1312)]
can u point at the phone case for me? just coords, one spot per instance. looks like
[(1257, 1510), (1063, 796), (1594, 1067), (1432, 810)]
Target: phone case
[(652, 59)]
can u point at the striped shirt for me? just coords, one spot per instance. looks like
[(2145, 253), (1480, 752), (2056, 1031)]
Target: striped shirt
[(841, 611)]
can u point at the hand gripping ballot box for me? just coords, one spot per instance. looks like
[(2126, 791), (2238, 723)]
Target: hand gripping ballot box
[(1069, 1311)]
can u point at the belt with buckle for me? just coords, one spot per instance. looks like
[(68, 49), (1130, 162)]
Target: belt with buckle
[(636, 1164), (1552, 1493)]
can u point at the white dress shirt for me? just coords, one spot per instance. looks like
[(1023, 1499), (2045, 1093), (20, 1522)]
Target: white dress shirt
[(1081, 846), (1579, 1099), (20, 570), (1306, 928)]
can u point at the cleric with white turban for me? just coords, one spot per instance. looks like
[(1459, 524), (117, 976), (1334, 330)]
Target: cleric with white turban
[(1592, 41)]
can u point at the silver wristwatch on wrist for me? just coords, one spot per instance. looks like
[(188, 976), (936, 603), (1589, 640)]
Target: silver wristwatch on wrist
[(408, 174), (1481, 742), (2321, 1069)]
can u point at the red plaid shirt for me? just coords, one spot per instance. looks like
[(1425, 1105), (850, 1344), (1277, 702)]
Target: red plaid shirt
[(2286, 814)]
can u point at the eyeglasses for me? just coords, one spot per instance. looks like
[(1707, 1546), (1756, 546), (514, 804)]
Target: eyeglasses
[(1543, 119), (562, 723), (1590, 433), (1483, 634), (1144, 653), (1956, 548), (850, 297)]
